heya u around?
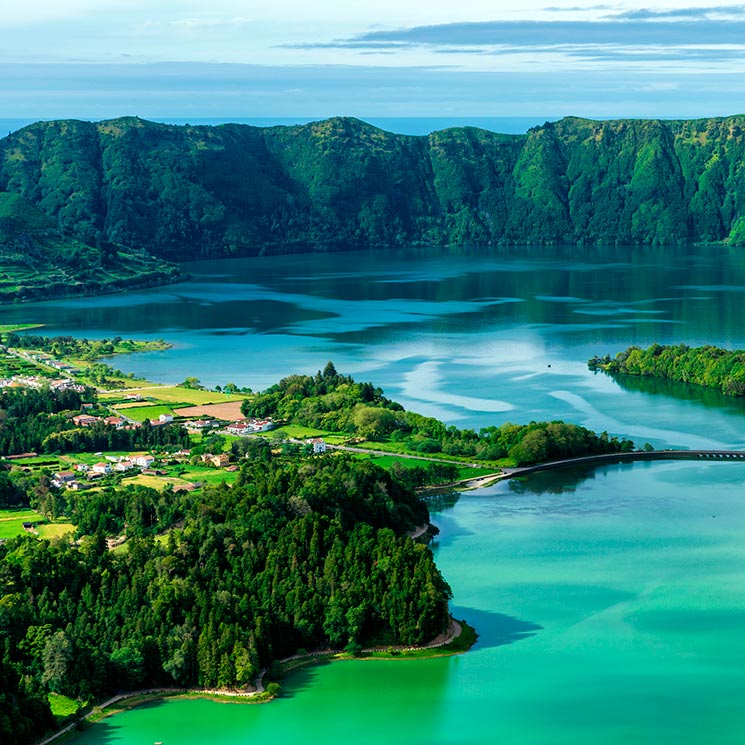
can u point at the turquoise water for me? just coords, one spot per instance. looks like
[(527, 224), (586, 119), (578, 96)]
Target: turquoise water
[(610, 603), (473, 339), (610, 609)]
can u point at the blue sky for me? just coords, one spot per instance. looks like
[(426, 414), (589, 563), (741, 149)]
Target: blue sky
[(381, 58)]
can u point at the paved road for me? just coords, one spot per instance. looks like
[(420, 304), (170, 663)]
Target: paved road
[(701, 455)]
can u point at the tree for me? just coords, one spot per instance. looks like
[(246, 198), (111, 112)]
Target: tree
[(192, 383), (373, 422), (57, 659)]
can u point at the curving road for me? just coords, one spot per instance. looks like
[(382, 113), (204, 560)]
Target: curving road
[(700, 455)]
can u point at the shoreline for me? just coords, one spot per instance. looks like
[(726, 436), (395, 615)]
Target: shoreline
[(260, 695)]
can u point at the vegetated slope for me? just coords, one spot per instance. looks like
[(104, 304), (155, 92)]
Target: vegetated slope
[(235, 190), (37, 259), (711, 367)]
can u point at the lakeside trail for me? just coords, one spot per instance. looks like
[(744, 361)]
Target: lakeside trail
[(454, 630), (419, 532), (98, 708)]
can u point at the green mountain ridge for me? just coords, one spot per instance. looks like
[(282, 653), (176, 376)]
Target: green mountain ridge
[(191, 192), (38, 260)]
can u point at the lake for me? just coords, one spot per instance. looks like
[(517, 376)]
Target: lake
[(472, 339), (609, 602)]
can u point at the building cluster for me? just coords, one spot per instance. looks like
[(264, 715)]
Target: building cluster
[(120, 422), (38, 381), (110, 464), (249, 426)]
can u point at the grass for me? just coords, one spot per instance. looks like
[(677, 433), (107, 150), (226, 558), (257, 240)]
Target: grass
[(176, 395), (11, 524), (209, 475), (9, 327), (11, 521), (388, 461), (124, 405), (63, 706), (296, 431), (18, 513), (158, 482), (55, 530), (401, 449), (140, 413), (299, 432)]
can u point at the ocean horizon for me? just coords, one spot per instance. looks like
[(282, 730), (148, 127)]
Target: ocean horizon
[(399, 125)]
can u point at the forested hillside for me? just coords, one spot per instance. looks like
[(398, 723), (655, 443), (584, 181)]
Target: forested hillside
[(235, 190), (40, 260)]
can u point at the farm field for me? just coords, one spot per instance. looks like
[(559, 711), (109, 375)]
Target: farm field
[(173, 395), (11, 521), (55, 530), (144, 411), (230, 410), (159, 482)]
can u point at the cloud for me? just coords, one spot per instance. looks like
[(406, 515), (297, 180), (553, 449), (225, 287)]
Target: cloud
[(688, 34), (689, 13), (537, 34)]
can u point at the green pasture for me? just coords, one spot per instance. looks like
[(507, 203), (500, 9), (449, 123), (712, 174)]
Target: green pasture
[(174, 395), (140, 413)]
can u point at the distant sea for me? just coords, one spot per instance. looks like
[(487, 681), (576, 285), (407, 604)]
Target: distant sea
[(400, 125)]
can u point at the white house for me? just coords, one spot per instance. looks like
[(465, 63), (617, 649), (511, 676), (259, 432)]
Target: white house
[(319, 446), (165, 418), (239, 428), (102, 468), (260, 425), (144, 461)]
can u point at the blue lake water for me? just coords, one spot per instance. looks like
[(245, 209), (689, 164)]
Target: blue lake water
[(609, 602), (472, 339)]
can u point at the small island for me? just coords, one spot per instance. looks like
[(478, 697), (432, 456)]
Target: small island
[(709, 366)]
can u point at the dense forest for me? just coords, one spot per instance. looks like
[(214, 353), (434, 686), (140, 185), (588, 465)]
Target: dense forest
[(298, 554), (708, 366), (40, 259), (187, 192), (337, 403)]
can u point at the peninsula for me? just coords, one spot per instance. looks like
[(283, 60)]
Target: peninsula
[(204, 550)]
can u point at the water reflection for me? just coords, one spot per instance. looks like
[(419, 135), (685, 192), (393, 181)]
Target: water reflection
[(473, 338)]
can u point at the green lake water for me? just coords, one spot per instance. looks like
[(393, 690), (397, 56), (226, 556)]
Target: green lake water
[(610, 607), (610, 603)]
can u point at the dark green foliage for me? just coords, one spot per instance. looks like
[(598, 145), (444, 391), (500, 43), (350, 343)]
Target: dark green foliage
[(40, 259), (298, 554), (708, 366), (24, 710), (233, 190), (336, 402)]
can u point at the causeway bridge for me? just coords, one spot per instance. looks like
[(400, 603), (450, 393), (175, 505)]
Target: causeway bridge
[(699, 455)]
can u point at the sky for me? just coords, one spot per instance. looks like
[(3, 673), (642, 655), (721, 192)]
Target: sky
[(370, 58)]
